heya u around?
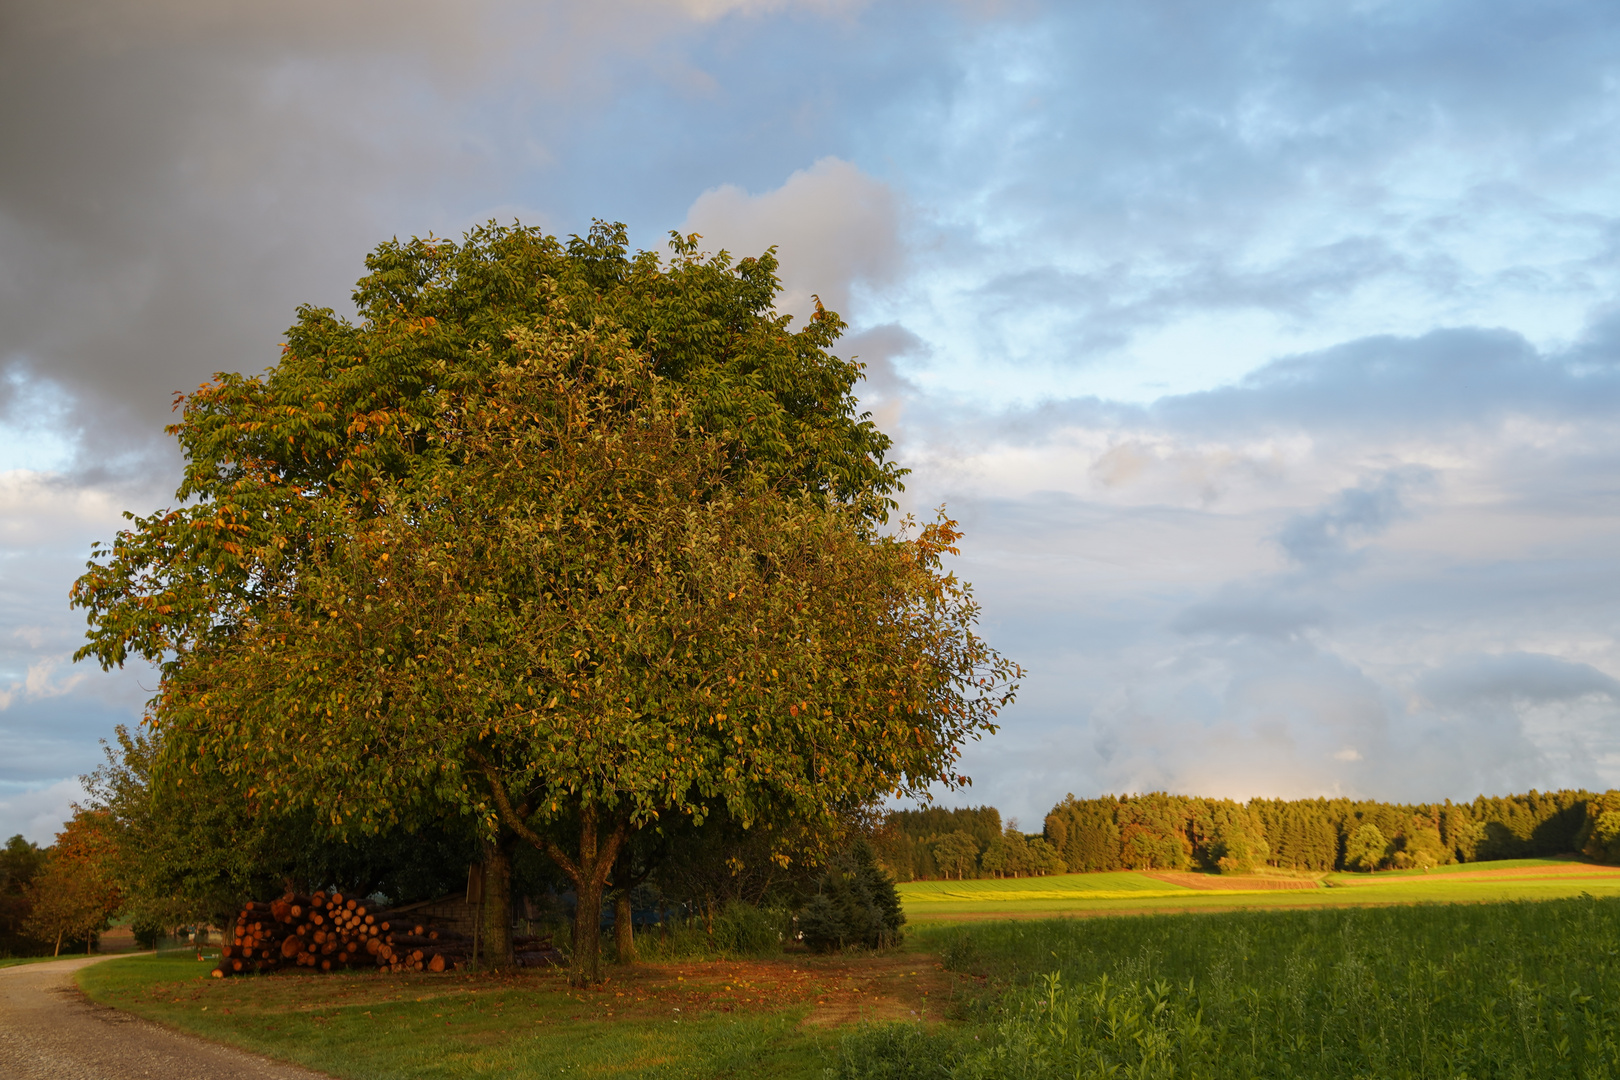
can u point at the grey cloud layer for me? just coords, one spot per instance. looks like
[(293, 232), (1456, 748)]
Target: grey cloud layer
[(1442, 625), (1268, 351)]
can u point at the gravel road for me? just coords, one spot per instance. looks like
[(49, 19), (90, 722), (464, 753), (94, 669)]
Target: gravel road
[(49, 1031)]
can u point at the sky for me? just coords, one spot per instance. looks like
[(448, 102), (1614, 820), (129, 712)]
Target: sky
[(1269, 353)]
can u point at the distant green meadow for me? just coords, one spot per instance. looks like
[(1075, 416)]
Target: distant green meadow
[(1124, 891)]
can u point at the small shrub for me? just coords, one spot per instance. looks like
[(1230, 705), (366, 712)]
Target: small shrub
[(741, 929), (855, 904)]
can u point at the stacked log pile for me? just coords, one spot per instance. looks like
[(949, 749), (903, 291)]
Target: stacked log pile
[(333, 932)]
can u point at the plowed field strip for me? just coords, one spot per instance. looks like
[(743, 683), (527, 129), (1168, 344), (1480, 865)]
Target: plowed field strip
[(1223, 883)]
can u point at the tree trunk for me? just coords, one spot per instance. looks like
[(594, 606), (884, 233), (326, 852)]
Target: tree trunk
[(58, 951), (588, 870), (624, 935), (587, 966), (495, 911), (590, 874)]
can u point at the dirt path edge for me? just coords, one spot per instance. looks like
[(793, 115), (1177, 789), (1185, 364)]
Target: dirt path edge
[(51, 1030)]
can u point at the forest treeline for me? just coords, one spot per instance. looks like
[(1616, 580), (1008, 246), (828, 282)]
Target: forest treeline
[(1159, 831)]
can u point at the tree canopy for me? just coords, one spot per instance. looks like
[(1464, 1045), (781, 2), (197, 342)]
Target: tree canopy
[(562, 541)]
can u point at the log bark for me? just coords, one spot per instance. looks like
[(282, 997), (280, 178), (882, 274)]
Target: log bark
[(332, 936)]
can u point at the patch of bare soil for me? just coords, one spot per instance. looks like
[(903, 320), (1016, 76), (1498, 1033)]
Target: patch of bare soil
[(889, 987), (838, 989), (1231, 881)]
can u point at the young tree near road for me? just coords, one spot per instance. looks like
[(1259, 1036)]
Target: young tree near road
[(66, 902), (76, 892), (556, 541)]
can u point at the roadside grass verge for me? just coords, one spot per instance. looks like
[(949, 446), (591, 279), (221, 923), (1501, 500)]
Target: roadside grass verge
[(694, 1019), (13, 961)]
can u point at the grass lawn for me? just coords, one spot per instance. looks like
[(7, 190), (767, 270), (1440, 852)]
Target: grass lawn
[(1126, 892), (698, 1019)]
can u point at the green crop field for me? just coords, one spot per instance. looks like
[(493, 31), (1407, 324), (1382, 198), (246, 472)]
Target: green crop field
[(1124, 891), (1453, 990)]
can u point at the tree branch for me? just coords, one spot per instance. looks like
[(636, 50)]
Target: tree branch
[(508, 814), (604, 864)]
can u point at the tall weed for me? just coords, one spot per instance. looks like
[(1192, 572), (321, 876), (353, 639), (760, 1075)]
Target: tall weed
[(894, 1052), (738, 929)]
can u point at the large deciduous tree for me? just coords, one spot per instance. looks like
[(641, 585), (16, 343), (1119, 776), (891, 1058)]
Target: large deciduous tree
[(568, 543)]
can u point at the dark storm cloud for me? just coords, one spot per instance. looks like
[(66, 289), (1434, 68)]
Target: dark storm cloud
[(178, 177)]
